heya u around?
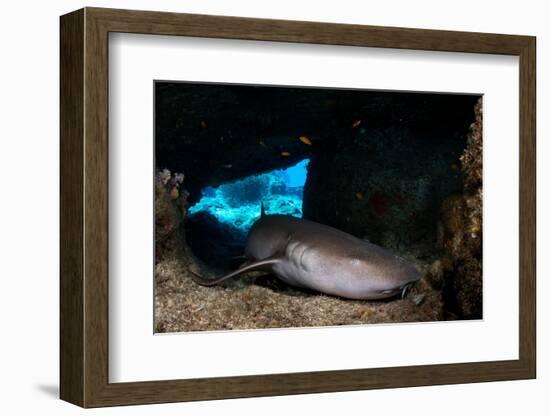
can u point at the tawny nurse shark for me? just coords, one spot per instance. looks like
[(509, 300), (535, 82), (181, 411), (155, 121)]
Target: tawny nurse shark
[(310, 255)]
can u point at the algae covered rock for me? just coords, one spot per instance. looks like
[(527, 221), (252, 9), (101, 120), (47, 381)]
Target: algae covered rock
[(459, 271)]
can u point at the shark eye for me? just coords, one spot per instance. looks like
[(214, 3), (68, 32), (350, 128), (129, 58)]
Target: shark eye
[(354, 262)]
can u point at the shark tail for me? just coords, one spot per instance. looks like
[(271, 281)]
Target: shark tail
[(258, 265)]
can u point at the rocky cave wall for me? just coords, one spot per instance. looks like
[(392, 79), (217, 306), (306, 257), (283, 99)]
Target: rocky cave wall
[(381, 163), (458, 269), (385, 184)]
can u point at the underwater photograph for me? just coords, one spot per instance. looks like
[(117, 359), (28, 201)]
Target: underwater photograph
[(292, 207)]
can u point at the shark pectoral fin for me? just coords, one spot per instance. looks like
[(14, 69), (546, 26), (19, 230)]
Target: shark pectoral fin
[(258, 265), (405, 290)]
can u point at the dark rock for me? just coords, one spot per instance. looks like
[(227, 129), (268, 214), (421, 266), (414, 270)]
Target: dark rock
[(217, 244), (386, 185)]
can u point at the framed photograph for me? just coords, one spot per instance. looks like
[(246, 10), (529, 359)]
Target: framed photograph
[(255, 207)]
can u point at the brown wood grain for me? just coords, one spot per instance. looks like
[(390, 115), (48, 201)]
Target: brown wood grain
[(84, 207), (527, 208), (71, 208)]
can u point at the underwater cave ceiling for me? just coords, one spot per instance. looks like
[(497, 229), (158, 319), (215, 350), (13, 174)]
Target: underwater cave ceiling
[(217, 134)]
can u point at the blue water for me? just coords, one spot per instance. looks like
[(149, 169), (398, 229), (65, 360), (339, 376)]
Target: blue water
[(238, 203)]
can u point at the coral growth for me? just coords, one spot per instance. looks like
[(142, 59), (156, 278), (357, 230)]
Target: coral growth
[(459, 271), (170, 210), (472, 158)]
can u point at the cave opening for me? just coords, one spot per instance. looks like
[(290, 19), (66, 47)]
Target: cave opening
[(218, 223), (238, 203)]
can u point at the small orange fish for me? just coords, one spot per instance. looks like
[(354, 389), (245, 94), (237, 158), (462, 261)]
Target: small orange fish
[(359, 196), (305, 140), (285, 153), (174, 193), (356, 123)]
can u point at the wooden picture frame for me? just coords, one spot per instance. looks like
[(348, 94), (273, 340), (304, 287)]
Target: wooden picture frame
[(84, 207)]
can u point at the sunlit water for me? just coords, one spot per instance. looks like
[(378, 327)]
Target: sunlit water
[(239, 203)]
